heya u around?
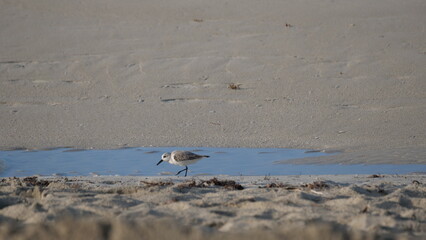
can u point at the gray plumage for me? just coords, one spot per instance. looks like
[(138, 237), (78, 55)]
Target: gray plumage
[(181, 156)]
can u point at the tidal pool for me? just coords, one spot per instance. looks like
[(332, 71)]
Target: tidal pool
[(142, 162)]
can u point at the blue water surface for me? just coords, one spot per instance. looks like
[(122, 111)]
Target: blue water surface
[(142, 162)]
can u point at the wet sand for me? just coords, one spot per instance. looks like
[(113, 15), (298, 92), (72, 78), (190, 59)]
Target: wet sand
[(329, 75)]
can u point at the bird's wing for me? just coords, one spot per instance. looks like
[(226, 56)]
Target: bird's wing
[(180, 156)]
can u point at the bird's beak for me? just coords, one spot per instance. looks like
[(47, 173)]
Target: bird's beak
[(160, 162)]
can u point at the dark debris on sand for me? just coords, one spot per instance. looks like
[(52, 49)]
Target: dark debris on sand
[(317, 185), (234, 86), (375, 176), (280, 185), (227, 184), (34, 181), (157, 184)]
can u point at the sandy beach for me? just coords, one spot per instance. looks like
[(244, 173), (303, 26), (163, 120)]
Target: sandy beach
[(273, 207), (343, 76)]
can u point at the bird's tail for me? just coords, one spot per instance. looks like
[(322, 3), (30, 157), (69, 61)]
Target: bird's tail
[(206, 156)]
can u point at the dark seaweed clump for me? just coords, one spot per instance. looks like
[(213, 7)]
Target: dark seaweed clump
[(227, 184)]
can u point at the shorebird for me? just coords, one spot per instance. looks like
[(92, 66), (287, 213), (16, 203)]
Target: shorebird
[(181, 158)]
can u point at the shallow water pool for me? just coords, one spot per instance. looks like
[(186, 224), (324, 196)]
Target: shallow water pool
[(142, 162)]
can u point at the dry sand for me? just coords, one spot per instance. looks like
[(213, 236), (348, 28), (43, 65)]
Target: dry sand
[(298, 207), (344, 75)]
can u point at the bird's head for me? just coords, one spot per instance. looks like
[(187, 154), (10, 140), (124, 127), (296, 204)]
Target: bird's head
[(165, 157)]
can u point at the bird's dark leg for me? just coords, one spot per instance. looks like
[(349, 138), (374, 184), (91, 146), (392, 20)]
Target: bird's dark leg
[(186, 171)]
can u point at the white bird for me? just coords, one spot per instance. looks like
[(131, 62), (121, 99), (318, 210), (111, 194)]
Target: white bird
[(181, 158)]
